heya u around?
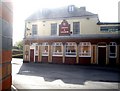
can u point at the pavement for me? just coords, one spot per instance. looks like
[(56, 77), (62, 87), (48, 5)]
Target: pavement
[(29, 76)]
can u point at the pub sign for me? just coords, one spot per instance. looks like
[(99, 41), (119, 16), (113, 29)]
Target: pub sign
[(64, 28)]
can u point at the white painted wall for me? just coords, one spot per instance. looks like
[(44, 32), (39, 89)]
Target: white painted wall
[(87, 26)]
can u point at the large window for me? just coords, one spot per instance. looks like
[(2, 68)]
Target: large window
[(45, 49), (76, 28), (70, 49), (57, 49), (34, 29), (54, 29), (85, 49), (112, 50), (110, 28)]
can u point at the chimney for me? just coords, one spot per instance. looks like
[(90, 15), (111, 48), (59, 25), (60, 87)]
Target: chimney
[(82, 8)]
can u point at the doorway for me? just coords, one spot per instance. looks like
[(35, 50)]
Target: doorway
[(31, 55), (102, 53)]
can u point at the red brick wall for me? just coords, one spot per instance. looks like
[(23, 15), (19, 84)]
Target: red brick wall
[(45, 59), (6, 14), (70, 60), (57, 59), (84, 60)]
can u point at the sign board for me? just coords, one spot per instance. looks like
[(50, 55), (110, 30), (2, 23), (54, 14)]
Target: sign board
[(64, 28)]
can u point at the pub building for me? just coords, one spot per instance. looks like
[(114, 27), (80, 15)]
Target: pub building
[(71, 35)]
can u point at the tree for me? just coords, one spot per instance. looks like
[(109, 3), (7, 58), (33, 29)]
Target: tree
[(19, 45)]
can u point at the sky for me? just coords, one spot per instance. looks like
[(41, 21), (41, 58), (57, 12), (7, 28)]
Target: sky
[(107, 11)]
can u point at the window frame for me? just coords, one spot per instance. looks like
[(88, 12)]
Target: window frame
[(71, 8), (36, 50), (111, 44), (45, 44), (54, 45), (54, 31), (26, 50), (74, 28), (83, 53), (35, 32), (109, 28), (68, 44)]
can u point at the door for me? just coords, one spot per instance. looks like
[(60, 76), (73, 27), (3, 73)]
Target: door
[(101, 55), (31, 55)]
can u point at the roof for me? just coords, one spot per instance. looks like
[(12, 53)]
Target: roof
[(93, 38), (90, 36), (60, 13)]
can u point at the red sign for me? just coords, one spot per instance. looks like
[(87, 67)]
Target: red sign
[(64, 28)]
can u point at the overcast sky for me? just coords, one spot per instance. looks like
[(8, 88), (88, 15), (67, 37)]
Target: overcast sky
[(107, 11)]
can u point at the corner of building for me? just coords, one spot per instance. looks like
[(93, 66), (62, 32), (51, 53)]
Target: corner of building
[(6, 19)]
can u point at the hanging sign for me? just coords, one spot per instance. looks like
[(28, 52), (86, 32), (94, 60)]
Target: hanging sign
[(64, 28)]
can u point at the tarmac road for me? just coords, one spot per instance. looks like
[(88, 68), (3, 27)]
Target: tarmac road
[(59, 76)]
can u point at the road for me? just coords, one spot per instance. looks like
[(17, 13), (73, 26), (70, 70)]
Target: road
[(61, 76)]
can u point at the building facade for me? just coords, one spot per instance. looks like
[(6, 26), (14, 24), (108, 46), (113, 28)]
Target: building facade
[(70, 35), (6, 14)]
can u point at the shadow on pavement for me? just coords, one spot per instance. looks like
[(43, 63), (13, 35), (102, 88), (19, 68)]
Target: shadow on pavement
[(71, 74)]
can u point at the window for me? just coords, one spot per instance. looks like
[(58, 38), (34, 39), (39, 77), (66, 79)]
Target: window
[(26, 50), (113, 50), (70, 49), (34, 29), (85, 49), (36, 50), (44, 49), (57, 49), (71, 8), (110, 28), (54, 29), (76, 28)]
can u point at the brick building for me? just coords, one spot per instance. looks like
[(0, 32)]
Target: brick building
[(71, 35), (6, 14)]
